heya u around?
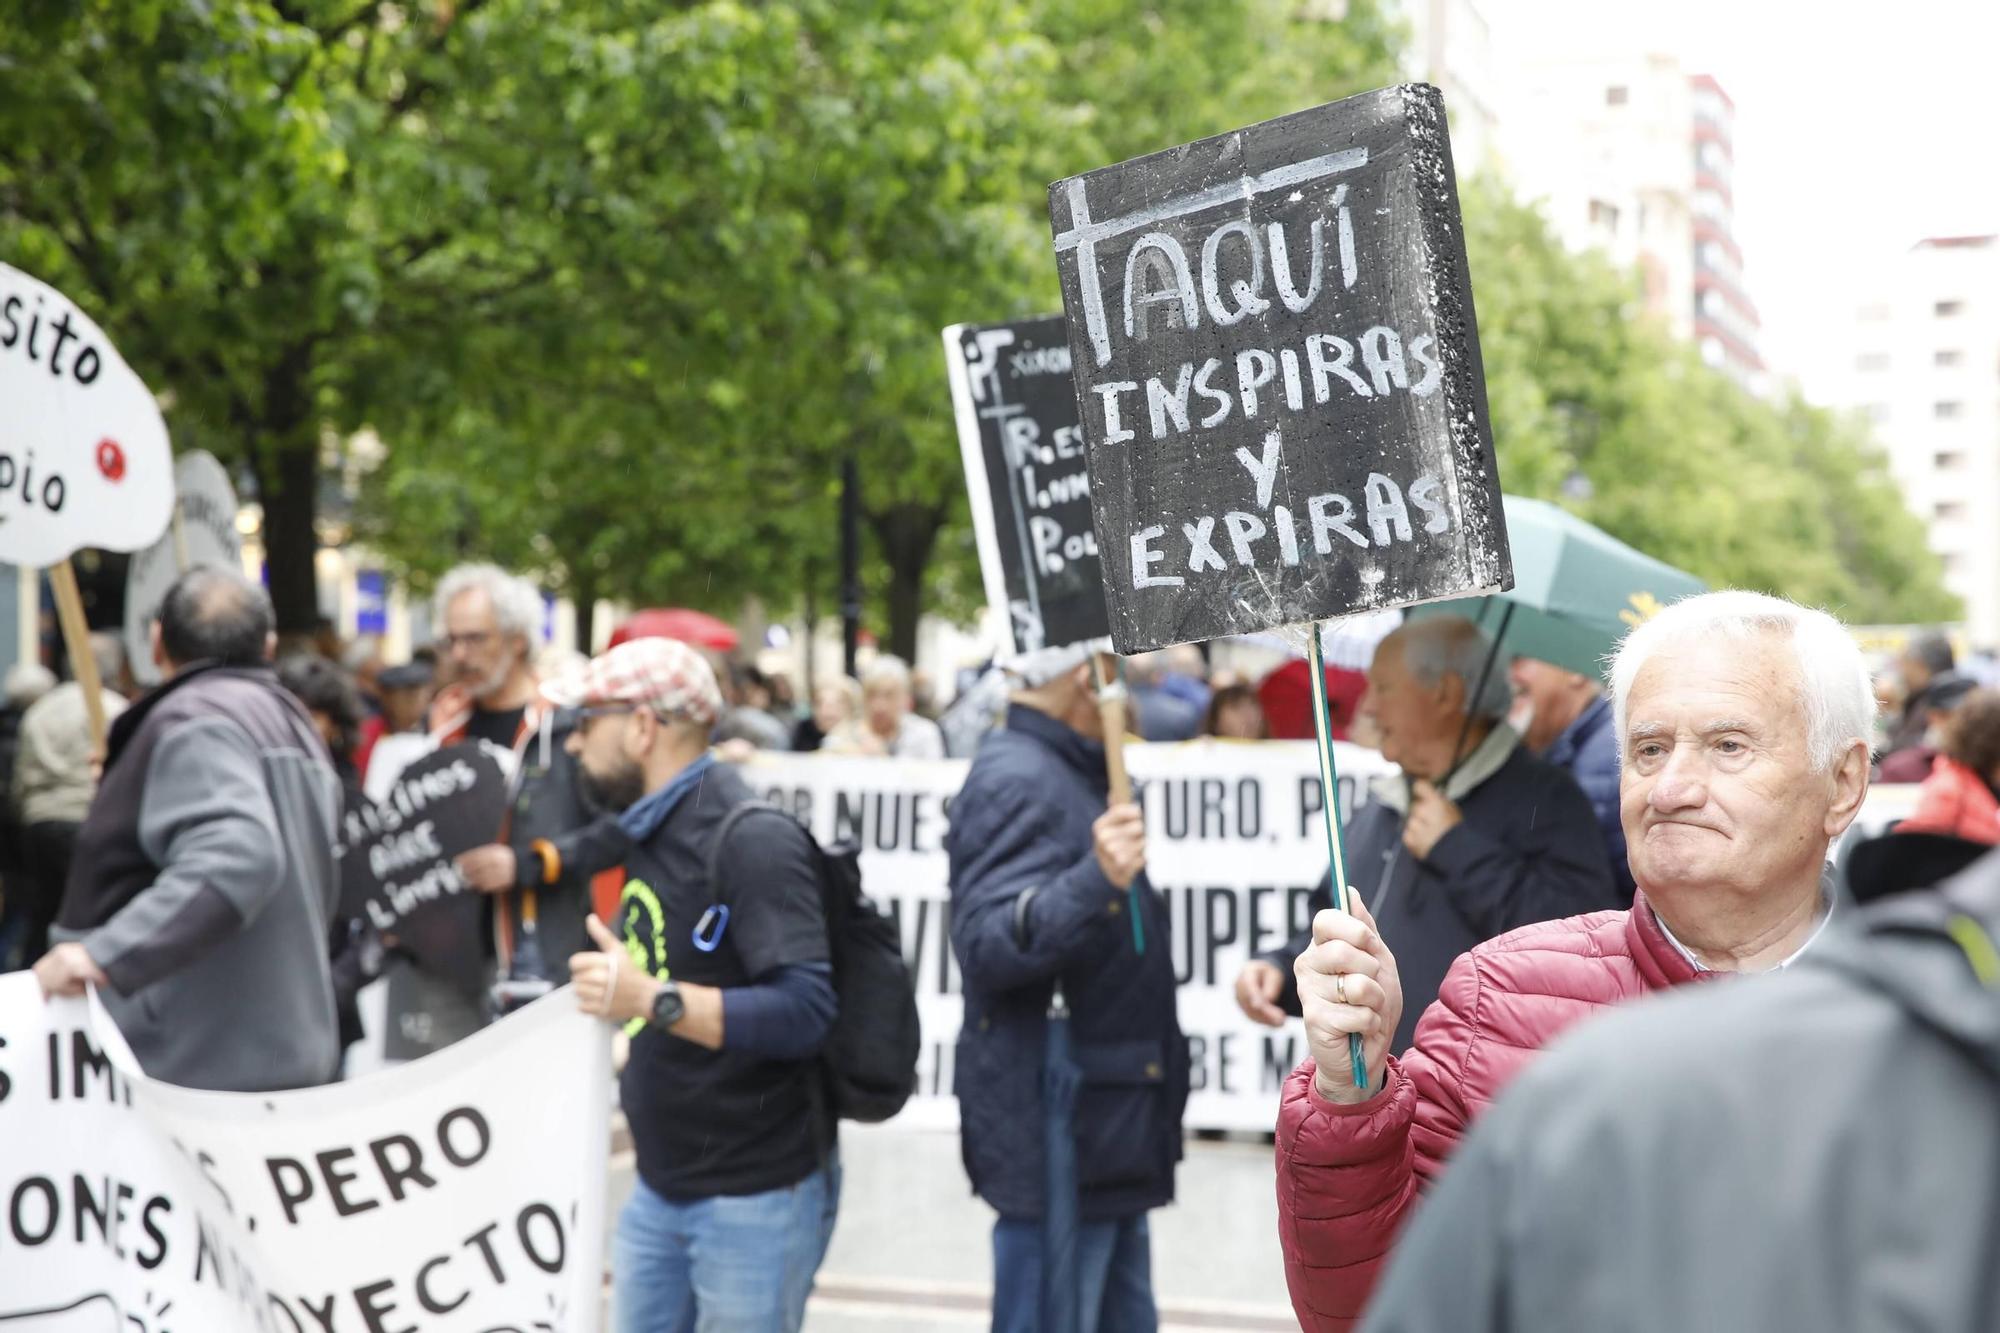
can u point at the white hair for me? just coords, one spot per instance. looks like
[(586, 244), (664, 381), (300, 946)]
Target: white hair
[(1834, 687), (517, 607), (1438, 646), (886, 670)]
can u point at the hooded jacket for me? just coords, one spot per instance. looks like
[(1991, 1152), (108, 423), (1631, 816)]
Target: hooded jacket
[(1030, 909), (204, 884), (1812, 1149)]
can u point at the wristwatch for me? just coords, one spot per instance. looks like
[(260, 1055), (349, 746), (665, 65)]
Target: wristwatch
[(668, 1007)]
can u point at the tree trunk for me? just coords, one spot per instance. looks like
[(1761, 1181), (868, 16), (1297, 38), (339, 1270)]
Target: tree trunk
[(907, 533), (584, 591), (290, 542), (287, 486)]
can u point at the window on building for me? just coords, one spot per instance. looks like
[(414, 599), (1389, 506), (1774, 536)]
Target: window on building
[(1872, 361), (1947, 358), (1873, 314), (1946, 411), (1604, 216), (1878, 412), (1952, 562), (1616, 95), (1950, 511), (1951, 460), (1946, 309)]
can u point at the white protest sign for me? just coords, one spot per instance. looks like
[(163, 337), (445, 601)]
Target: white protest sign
[(1235, 843), (207, 532), (84, 459), (464, 1193)]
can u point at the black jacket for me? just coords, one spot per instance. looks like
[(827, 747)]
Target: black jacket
[(1529, 850), (1030, 907), (549, 806)]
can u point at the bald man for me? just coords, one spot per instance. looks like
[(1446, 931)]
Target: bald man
[(1474, 837)]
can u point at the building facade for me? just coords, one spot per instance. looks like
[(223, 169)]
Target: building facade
[(1630, 155), (1921, 357)]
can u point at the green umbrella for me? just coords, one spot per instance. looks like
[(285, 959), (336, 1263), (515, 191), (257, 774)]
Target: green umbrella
[(1576, 590)]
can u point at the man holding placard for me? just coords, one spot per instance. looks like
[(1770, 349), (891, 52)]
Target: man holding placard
[(1054, 921)]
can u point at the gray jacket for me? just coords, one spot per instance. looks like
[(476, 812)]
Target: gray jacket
[(204, 880), (1817, 1149)]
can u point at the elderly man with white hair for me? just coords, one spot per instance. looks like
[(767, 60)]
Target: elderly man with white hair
[(1743, 723)]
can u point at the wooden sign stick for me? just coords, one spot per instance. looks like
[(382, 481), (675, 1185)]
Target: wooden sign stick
[(1111, 699), (1329, 807), (181, 559), (76, 636)]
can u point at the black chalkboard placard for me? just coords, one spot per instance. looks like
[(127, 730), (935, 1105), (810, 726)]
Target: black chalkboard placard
[(396, 857), (1275, 353), (1024, 466)]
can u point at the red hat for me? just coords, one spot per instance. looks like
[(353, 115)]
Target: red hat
[(664, 675)]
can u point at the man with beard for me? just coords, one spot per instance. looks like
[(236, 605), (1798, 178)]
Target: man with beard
[(724, 978), (536, 874)]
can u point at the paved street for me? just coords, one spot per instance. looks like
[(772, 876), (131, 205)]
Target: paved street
[(911, 1251)]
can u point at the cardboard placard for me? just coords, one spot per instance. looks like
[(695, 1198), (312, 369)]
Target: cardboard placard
[(1015, 404), (396, 856), (207, 537), (84, 458), (1277, 361)]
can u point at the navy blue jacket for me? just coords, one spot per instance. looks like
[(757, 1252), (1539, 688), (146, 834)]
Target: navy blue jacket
[(1029, 907), (1588, 748), (1526, 851)]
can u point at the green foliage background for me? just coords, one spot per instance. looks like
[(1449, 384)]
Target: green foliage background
[(617, 286)]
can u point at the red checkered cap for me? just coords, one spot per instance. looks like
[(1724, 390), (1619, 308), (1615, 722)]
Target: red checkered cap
[(664, 675)]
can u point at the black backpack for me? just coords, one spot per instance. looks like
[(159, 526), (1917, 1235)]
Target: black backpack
[(868, 1065)]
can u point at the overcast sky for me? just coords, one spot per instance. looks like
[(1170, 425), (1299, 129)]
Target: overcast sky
[(1860, 129)]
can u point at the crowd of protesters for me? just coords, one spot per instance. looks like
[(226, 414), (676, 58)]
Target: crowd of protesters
[(1546, 848)]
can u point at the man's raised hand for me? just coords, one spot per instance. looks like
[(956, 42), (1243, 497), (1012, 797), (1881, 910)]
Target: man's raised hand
[(1347, 985)]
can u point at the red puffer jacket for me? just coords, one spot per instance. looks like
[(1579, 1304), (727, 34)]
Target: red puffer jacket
[(1348, 1175)]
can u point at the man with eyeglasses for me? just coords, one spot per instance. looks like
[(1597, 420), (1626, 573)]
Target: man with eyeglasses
[(535, 877), (724, 977)]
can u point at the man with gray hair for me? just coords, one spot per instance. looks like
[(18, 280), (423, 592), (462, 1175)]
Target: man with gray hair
[(204, 878), (1744, 724), (1475, 837)]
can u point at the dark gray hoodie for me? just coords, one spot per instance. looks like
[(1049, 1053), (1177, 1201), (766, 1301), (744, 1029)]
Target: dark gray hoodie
[(1813, 1150)]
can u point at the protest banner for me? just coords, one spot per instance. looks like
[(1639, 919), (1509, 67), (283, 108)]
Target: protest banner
[(1022, 445), (397, 855), (1274, 346), (1233, 829), (84, 458), (437, 1196), (202, 533), (1234, 840)]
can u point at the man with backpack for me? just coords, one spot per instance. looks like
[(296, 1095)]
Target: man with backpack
[(725, 978)]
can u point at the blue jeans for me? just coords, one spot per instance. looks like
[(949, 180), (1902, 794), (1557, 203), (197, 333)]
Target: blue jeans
[(1114, 1277), (730, 1264)]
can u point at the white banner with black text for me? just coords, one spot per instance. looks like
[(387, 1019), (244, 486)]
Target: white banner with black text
[(464, 1193)]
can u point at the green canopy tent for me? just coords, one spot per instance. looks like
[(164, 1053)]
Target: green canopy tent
[(1576, 591)]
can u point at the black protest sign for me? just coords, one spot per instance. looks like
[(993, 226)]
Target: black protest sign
[(396, 856), (1030, 489), (1278, 366)]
